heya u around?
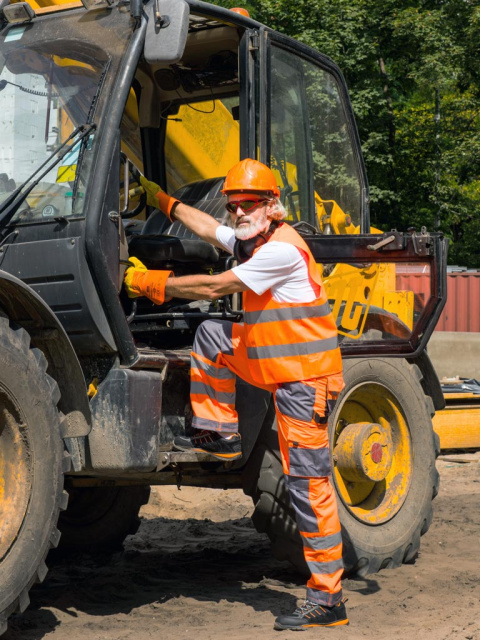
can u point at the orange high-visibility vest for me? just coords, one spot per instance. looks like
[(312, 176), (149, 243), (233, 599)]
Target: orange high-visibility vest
[(285, 341)]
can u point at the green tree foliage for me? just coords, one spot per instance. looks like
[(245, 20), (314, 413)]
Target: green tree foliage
[(413, 70)]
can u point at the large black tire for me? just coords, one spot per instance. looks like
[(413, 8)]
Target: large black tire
[(388, 391), (32, 464), (100, 518), (263, 480)]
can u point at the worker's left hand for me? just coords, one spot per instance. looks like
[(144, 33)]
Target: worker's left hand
[(151, 189), (139, 281), (136, 267)]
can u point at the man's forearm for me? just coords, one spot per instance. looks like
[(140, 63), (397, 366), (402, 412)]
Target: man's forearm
[(197, 221), (203, 287)]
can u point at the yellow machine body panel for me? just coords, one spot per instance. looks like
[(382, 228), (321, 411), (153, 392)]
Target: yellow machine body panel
[(457, 424), (202, 141)]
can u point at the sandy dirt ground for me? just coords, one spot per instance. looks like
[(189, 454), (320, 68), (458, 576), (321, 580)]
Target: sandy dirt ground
[(197, 569)]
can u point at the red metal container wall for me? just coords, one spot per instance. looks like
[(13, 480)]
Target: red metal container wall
[(462, 310)]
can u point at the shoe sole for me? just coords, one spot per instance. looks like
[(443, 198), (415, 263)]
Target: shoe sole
[(303, 627), (220, 456)]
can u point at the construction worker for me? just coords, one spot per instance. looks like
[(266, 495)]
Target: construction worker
[(287, 344)]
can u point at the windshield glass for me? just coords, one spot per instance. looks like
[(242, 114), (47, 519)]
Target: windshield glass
[(44, 96), (49, 85)]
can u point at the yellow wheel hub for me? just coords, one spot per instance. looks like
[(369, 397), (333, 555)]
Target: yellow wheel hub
[(363, 452), (372, 453)]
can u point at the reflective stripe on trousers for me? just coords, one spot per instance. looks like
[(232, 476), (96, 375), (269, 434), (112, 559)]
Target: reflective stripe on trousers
[(219, 354)]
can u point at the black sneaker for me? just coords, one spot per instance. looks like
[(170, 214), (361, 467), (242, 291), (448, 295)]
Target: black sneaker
[(312, 614), (211, 442)]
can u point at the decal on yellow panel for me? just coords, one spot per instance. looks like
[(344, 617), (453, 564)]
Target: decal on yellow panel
[(353, 290), (350, 290)]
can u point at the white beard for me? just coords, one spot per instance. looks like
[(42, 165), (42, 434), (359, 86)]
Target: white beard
[(245, 232)]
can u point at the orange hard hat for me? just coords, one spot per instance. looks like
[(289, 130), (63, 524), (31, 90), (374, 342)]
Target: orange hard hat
[(250, 175)]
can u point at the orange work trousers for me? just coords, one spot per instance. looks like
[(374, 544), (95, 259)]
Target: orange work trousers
[(219, 355)]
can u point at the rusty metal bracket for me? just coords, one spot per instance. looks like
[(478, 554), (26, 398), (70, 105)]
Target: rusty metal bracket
[(422, 242)]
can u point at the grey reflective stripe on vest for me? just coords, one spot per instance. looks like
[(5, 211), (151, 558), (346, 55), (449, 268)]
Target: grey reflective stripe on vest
[(309, 463), (287, 313), (325, 567), (298, 489), (296, 400), (295, 349), (205, 389), (320, 543), (221, 373), (214, 425)]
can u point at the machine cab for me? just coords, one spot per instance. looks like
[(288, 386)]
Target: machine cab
[(181, 97)]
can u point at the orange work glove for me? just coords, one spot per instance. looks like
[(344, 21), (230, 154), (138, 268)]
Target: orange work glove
[(140, 281), (156, 197)]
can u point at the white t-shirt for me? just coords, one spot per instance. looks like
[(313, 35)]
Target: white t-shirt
[(278, 266)]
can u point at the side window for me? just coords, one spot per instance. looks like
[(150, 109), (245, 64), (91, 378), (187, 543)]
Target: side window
[(335, 176), (288, 152), (310, 146)]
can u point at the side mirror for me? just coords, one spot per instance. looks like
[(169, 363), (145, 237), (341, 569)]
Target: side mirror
[(167, 31)]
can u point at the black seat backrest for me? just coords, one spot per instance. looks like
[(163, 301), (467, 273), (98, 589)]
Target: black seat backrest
[(205, 195), (162, 243)]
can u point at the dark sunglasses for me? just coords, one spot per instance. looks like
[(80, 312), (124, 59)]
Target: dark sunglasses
[(245, 205)]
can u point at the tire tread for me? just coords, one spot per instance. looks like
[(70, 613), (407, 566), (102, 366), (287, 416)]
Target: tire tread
[(11, 334)]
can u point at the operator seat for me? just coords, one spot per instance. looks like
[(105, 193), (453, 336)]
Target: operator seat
[(161, 242)]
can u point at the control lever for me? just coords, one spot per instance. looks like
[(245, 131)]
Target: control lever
[(381, 243)]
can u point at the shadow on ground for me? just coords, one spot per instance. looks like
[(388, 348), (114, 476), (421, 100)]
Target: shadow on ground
[(167, 559)]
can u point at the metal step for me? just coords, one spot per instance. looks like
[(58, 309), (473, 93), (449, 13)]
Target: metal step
[(160, 358), (168, 458)]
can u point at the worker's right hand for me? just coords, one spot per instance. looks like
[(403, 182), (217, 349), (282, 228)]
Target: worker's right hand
[(140, 281), (156, 197)]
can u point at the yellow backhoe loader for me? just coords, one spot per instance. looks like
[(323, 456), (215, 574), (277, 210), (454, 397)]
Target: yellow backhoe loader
[(93, 386)]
